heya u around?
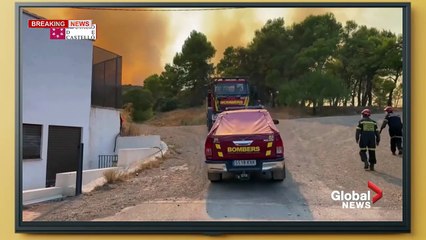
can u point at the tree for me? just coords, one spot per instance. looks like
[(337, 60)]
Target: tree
[(284, 54), (162, 93), (142, 101), (153, 84), (365, 52), (341, 66), (193, 68), (392, 60), (381, 89), (316, 39), (170, 81), (312, 63), (314, 88), (398, 95), (234, 62), (269, 52), (336, 69)]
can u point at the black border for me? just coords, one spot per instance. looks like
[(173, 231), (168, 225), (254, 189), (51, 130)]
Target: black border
[(218, 227)]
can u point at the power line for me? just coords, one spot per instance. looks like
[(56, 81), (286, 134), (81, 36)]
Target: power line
[(156, 9)]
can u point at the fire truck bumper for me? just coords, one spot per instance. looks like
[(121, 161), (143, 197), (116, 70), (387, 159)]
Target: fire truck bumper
[(214, 166)]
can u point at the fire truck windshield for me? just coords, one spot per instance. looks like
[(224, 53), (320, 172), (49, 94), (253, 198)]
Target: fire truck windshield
[(231, 88)]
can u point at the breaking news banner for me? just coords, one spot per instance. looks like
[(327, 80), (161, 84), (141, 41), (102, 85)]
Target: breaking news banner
[(66, 29)]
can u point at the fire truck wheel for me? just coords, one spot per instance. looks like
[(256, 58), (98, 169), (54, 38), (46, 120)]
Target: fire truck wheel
[(214, 177)]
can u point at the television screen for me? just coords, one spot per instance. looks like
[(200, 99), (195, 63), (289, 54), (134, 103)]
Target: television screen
[(213, 117)]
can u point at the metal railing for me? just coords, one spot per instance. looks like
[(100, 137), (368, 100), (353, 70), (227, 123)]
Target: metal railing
[(106, 161)]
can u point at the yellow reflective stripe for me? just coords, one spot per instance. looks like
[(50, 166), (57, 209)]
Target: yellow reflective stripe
[(269, 144), (369, 149), (268, 153), (217, 146), (246, 101), (362, 122), (220, 154), (216, 104)]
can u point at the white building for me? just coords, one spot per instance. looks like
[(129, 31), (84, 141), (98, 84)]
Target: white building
[(64, 103)]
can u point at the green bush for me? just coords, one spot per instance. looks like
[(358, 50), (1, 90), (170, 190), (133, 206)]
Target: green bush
[(168, 105), (140, 116), (142, 102)]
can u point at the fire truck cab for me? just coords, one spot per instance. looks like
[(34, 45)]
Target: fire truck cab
[(225, 92)]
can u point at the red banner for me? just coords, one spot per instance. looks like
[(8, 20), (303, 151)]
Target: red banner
[(43, 23)]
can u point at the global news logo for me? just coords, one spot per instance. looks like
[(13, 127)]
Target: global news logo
[(356, 200)]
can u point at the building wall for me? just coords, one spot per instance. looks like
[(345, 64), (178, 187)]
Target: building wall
[(56, 90), (104, 127)]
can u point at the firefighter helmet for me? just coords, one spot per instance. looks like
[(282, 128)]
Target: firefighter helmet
[(366, 112), (388, 109)]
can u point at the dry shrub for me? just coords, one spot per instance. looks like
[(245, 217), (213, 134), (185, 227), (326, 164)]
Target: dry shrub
[(114, 175), (150, 164), (129, 128), (126, 114), (179, 117), (134, 130)]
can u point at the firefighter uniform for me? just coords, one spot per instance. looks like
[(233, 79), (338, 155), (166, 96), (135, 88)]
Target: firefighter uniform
[(367, 135), (395, 131)]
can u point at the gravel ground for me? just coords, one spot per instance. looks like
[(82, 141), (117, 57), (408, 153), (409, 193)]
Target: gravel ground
[(321, 156)]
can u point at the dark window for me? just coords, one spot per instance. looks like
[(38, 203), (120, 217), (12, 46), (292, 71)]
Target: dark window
[(230, 88), (106, 79), (31, 141)]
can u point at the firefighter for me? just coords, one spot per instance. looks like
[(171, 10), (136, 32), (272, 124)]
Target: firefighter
[(367, 136), (395, 129)]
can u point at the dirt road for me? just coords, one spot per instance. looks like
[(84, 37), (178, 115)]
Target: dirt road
[(321, 156)]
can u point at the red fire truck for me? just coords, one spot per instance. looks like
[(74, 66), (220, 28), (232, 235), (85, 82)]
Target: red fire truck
[(242, 142), (226, 92)]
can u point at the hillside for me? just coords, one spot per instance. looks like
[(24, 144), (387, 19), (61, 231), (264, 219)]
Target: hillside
[(197, 115)]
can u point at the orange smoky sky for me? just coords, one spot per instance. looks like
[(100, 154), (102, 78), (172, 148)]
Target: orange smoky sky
[(147, 40)]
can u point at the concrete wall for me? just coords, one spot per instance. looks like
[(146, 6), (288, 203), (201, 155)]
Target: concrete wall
[(133, 150), (41, 195), (130, 158), (65, 186), (91, 178), (104, 127), (127, 157), (148, 141), (56, 80)]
